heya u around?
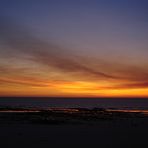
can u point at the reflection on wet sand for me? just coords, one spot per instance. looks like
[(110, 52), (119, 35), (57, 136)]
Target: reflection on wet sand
[(145, 112), (68, 115)]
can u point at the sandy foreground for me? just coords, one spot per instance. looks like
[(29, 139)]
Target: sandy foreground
[(94, 129)]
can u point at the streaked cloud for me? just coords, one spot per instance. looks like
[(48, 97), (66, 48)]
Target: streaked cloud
[(79, 74)]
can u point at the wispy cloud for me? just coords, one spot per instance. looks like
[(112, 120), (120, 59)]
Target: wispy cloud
[(21, 41)]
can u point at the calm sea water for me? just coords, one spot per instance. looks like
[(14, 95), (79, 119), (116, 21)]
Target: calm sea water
[(122, 103)]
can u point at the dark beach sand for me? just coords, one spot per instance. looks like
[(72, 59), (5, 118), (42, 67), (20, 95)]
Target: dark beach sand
[(119, 131)]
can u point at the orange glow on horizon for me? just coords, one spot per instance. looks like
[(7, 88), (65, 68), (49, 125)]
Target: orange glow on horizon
[(71, 89)]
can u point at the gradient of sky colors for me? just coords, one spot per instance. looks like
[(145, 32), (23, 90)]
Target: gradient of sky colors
[(77, 48)]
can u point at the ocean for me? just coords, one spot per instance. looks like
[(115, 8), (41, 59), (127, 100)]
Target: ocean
[(44, 102)]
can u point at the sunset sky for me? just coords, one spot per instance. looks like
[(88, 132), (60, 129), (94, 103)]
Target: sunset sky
[(74, 48)]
